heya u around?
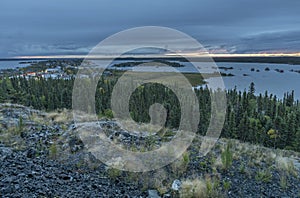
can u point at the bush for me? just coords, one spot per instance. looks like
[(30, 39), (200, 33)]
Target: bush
[(53, 151), (114, 173), (264, 176), (20, 125), (226, 185), (283, 181), (180, 165), (186, 158), (226, 157), (108, 113)]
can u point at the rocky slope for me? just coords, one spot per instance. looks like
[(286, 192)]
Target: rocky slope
[(42, 156)]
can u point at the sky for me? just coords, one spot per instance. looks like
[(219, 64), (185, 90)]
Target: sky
[(72, 27)]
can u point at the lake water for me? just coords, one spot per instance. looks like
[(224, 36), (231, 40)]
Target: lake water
[(273, 81), (13, 64)]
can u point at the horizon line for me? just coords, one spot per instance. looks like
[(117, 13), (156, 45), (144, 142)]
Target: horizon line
[(176, 55)]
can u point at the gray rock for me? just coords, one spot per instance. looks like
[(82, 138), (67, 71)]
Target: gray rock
[(4, 152), (153, 194), (296, 162)]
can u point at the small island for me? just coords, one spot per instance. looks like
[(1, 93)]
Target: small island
[(151, 63)]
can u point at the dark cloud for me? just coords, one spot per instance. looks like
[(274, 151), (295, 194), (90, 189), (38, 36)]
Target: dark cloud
[(30, 27), (276, 41)]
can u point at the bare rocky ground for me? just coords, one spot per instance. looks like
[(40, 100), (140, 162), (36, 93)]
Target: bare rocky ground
[(42, 156)]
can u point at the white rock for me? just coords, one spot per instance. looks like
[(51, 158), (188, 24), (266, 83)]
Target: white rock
[(176, 184)]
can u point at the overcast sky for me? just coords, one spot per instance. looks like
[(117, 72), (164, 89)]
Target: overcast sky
[(55, 27)]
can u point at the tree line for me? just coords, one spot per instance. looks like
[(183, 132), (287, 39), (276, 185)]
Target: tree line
[(262, 119)]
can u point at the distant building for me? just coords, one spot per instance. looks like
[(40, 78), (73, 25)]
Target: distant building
[(53, 76), (53, 70), (31, 74)]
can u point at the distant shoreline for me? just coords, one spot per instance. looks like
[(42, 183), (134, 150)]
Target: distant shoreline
[(277, 60)]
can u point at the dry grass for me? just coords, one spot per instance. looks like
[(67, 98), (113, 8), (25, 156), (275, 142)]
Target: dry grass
[(36, 118), (193, 188), (206, 188), (140, 129), (11, 137), (286, 164), (258, 155), (61, 116)]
